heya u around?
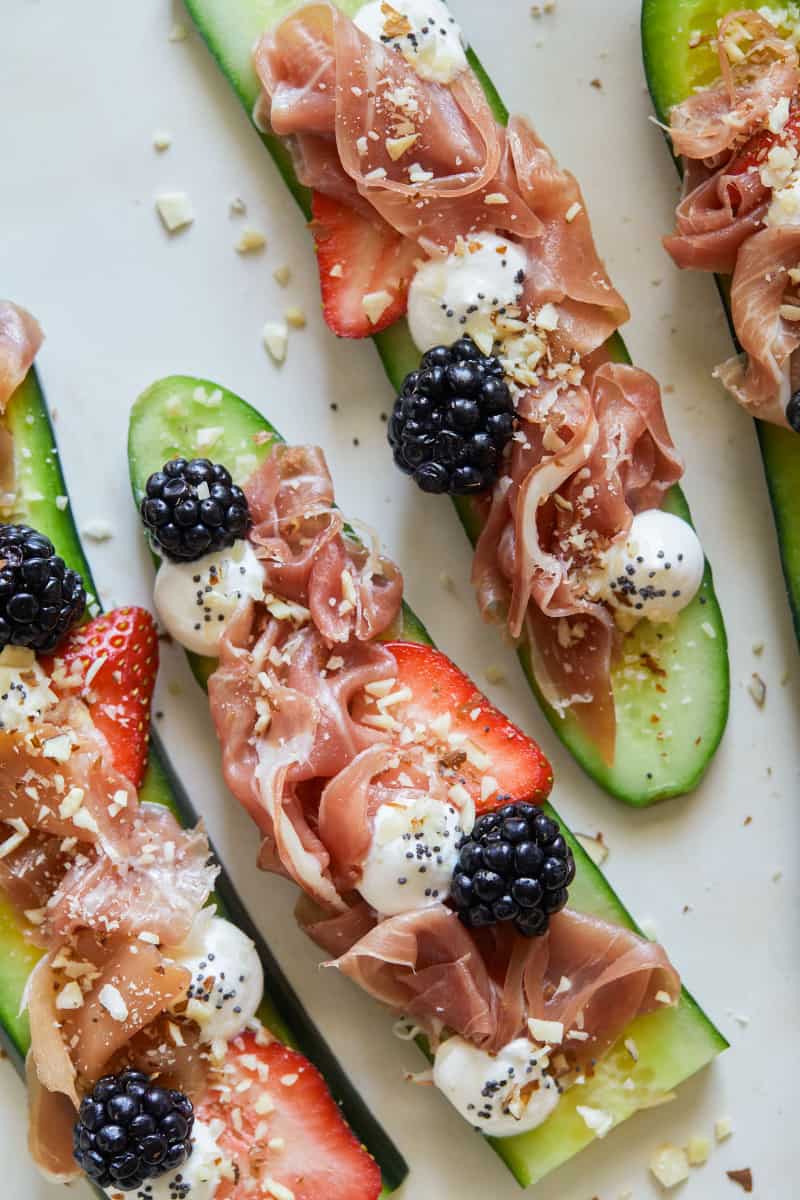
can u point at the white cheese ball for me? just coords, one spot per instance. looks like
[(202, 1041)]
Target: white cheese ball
[(412, 855), (195, 600), (227, 977), (433, 45), (655, 571), (469, 286), (492, 1091)]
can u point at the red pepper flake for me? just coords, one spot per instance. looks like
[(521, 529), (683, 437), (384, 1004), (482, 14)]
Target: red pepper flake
[(744, 1178)]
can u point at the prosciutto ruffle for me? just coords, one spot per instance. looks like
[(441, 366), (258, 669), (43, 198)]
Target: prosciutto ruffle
[(485, 985), (20, 339), (105, 886), (589, 459), (723, 133)]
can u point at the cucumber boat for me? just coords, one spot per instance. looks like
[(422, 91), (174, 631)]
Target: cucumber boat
[(39, 483), (678, 59), (669, 720), (671, 1043)]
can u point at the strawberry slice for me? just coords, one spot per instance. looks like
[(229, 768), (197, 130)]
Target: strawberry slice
[(288, 1129), (365, 268), (112, 662), (492, 758)]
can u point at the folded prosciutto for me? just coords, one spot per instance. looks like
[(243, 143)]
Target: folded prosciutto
[(475, 228), (365, 763), (740, 210)]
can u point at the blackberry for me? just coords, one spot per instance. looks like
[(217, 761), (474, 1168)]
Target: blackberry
[(793, 411), (129, 1130), (452, 420), (40, 597), (514, 866), (191, 508)]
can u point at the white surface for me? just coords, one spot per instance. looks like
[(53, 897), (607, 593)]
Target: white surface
[(83, 86)]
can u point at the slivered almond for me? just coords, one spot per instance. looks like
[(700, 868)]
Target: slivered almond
[(397, 146)]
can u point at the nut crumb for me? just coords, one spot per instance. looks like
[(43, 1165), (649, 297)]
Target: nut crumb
[(162, 140), (596, 83), (495, 674), (744, 1178), (250, 242), (757, 689), (237, 207), (282, 275)]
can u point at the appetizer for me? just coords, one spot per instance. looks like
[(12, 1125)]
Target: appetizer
[(725, 81), (513, 394), (157, 1065), (410, 812)]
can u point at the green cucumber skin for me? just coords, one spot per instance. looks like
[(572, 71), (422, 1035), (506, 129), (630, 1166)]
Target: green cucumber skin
[(683, 1040), (230, 28), (39, 475), (665, 28)]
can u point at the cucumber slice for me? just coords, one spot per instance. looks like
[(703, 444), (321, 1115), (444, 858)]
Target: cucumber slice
[(672, 1044), (654, 761), (673, 71), (40, 482)]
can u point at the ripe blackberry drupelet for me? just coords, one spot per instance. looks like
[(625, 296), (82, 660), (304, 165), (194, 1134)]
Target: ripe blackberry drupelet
[(514, 866), (192, 508), (40, 597), (452, 420), (128, 1131)]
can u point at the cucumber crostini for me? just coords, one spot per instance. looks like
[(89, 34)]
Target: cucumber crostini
[(408, 809), (739, 213), (154, 1026), (423, 196)]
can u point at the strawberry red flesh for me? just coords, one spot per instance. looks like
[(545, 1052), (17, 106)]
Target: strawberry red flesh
[(288, 1128), (360, 257), (111, 663), (492, 746)]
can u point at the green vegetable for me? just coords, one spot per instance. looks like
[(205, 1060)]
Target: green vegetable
[(655, 758), (673, 1043), (40, 482), (674, 70)]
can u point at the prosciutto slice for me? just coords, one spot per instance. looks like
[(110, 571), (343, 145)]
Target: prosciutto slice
[(485, 986), (760, 284), (765, 68), (610, 456), (20, 339), (715, 217)]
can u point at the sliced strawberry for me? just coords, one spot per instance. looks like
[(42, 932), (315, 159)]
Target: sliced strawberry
[(359, 258), (489, 754), (112, 662), (288, 1129)]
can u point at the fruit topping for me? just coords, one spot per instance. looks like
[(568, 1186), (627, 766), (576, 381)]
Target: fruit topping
[(452, 420), (112, 662), (290, 1138), (40, 597), (487, 753), (365, 268), (514, 866), (192, 507), (128, 1130)]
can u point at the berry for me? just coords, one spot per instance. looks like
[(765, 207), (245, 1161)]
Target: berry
[(793, 411), (514, 866), (129, 1130), (125, 645), (192, 508), (40, 597), (452, 420)]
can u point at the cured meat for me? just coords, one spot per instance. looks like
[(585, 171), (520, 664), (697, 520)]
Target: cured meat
[(484, 986), (564, 266), (307, 556), (711, 121), (760, 284), (715, 217), (605, 452), (159, 887), (20, 339), (51, 1120)]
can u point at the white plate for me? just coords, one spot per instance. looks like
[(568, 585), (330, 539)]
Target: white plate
[(83, 87)]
